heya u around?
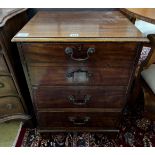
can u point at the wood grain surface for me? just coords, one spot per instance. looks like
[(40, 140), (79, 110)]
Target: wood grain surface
[(79, 97), (146, 14), (71, 87), (65, 26)]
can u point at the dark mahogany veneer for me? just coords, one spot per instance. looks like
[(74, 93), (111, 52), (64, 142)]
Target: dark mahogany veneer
[(79, 67)]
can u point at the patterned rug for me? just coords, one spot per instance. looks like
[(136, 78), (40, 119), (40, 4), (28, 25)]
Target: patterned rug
[(138, 133)]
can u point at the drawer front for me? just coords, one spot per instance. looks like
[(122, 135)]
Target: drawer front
[(7, 86), (46, 75), (10, 105), (93, 54), (3, 66), (79, 97), (81, 119)]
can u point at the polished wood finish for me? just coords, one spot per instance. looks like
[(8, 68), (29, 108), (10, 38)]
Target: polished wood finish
[(146, 14), (79, 97), (54, 54), (82, 79), (79, 27), (80, 75), (83, 120), (11, 99)]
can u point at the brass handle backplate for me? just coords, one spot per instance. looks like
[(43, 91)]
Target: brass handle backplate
[(79, 73), (72, 99), (70, 52), (79, 120)]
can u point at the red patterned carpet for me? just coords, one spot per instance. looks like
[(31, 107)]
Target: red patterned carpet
[(138, 133)]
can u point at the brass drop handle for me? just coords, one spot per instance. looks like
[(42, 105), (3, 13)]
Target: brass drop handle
[(78, 71), (70, 51), (79, 120), (72, 99), (1, 85)]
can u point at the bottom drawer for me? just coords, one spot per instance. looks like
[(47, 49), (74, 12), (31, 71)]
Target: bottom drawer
[(102, 120), (10, 105)]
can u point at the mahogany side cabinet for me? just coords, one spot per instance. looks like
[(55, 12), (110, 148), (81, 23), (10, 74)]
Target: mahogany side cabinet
[(79, 67)]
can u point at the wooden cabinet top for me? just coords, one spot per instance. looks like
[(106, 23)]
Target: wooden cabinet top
[(79, 26), (7, 13)]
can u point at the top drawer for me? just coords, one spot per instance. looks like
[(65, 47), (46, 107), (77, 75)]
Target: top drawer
[(68, 54)]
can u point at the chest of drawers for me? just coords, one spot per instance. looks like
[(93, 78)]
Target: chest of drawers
[(12, 103), (79, 67)]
